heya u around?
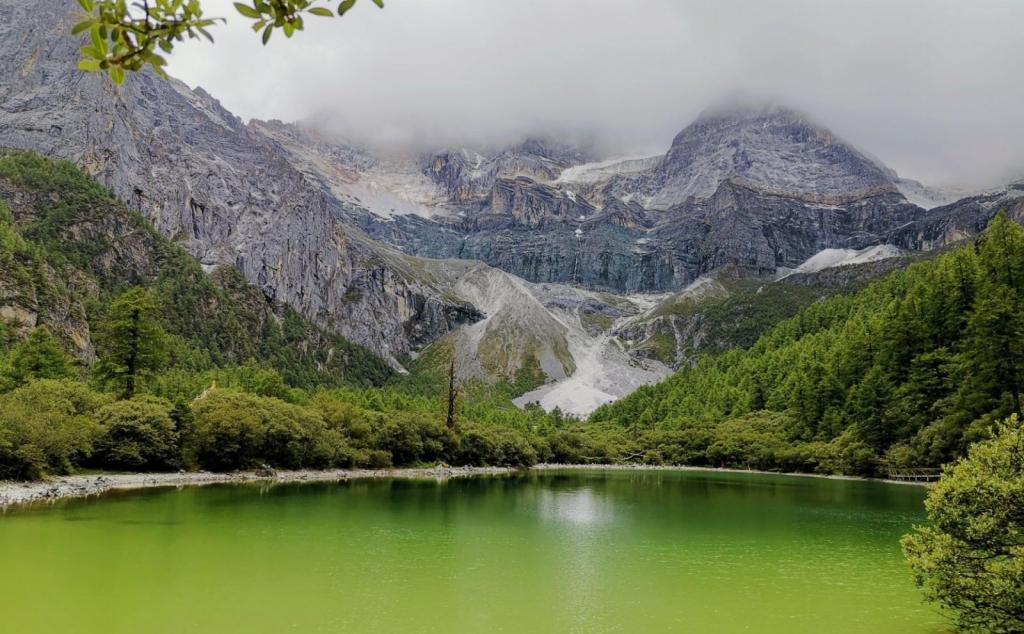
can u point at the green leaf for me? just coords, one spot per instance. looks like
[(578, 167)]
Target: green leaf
[(247, 11), (88, 65), (86, 5), (97, 40), (345, 6), (322, 11), (117, 74), (81, 26), (93, 52), (266, 33), (379, 3)]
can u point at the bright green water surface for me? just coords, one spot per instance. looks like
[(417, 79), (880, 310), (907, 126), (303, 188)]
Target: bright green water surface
[(593, 551)]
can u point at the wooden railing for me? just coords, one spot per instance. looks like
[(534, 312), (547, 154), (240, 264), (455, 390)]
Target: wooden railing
[(909, 474)]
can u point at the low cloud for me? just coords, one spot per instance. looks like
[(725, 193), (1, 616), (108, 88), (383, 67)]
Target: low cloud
[(932, 87)]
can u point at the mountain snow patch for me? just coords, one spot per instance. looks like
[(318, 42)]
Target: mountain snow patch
[(829, 258), (928, 197), (601, 170)]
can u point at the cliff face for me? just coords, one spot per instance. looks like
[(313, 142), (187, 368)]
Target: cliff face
[(960, 220), (67, 247), (750, 190), (228, 194), (357, 242)]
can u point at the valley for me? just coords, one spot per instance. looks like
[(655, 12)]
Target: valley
[(362, 244), (546, 317)]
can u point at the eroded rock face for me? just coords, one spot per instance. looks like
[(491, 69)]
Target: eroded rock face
[(771, 149), (306, 217), (751, 190), (470, 175), (959, 221), (226, 192)]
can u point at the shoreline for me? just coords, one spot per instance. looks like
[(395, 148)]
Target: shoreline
[(14, 493), (651, 467)]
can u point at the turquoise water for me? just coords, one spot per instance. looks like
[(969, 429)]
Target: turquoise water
[(591, 551)]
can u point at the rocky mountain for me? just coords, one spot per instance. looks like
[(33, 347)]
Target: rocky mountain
[(960, 220), (769, 149), (585, 274), (749, 189), (228, 194), (68, 247)]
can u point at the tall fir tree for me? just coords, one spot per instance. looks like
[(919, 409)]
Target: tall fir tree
[(132, 344), (40, 357)]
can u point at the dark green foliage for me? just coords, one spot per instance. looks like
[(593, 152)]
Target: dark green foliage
[(971, 558), (908, 371), (46, 427), (131, 344), (138, 434), (75, 248), (40, 357), (124, 39), (235, 430)]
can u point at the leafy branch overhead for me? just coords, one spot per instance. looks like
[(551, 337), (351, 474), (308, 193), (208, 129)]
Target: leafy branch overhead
[(125, 36)]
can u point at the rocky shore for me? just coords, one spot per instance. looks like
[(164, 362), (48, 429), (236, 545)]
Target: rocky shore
[(87, 485)]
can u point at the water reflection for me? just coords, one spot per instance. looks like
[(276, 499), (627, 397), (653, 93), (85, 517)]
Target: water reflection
[(581, 507)]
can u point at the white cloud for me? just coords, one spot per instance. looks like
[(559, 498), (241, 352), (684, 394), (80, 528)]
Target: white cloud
[(933, 87)]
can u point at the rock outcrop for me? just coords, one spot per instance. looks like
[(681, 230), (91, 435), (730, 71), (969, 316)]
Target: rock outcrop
[(227, 193), (754, 190)]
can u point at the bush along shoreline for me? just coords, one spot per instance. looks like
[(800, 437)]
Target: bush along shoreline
[(176, 369)]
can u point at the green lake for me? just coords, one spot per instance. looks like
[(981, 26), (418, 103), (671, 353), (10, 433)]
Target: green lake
[(564, 551)]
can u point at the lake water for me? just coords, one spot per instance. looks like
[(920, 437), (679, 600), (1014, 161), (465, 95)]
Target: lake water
[(573, 551)]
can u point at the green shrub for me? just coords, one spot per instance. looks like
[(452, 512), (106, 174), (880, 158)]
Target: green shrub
[(372, 459), (971, 558), (46, 427), (40, 357), (512, 449), (495, 446), (227, 431), (137, 434), (413, 438), (296, 437), (237, 430), (476, 448)]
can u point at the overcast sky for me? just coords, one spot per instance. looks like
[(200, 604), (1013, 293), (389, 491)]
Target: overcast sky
[(935, 88)]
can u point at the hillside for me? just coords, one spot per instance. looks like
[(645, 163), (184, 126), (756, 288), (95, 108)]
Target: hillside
[(69, 247), (908, 371)]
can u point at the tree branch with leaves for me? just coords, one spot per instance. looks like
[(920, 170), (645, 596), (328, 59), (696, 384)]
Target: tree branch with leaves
[(126, 37)]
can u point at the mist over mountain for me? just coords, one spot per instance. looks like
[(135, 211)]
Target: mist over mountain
[(552, 260), (928, 87)]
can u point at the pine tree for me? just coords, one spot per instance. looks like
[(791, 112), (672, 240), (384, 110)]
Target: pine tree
[(996, 349), (453, 397), (40, 357), (131, 343)]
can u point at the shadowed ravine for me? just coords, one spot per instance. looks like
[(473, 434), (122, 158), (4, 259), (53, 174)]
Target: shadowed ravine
[(580, 551)]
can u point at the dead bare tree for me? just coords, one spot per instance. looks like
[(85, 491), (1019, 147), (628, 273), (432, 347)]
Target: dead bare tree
[(453, 396)]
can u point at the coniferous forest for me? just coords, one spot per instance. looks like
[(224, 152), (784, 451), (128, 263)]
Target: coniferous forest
[(462, 320), (185, 369)]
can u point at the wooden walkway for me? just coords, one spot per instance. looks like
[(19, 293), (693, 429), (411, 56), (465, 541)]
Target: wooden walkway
[(913, 475)]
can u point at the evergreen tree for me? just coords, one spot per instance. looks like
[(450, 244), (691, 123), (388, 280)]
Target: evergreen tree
[(970, 558), (40, 357), (132, 344), (997, 343)]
